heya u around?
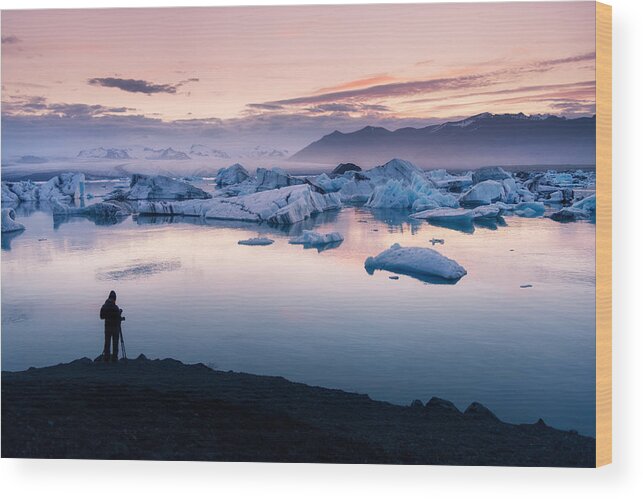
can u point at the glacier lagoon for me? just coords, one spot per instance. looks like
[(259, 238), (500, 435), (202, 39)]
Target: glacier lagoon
[(190, 292)]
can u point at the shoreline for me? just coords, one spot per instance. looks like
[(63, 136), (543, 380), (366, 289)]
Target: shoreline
[(167, 410)]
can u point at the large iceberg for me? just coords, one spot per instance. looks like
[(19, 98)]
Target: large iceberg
[(356, 191), (63, 188), (8, 196), (275, 179), (488, 192), (312, 238), (419, 195), (231, 175), (110, 209), (9, 223), (397, 169), (285, 206), (489, 173), (585, 209), (151, 187), (415, 262)]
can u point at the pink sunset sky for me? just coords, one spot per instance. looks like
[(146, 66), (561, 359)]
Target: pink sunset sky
[(296, 71)]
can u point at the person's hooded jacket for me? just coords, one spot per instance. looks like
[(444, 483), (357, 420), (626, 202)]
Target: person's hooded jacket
[(111, 314)]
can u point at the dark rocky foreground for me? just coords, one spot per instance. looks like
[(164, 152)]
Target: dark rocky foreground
[(166, 410)]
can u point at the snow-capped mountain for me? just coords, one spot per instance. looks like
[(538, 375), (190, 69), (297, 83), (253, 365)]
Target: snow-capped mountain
[(260, 152), (201, 151), (165, 154), (481, 140), (104, 153)]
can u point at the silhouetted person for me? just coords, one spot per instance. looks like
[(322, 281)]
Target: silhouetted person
[(111, 314)]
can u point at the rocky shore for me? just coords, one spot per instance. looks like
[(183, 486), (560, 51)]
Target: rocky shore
[(167, 410)]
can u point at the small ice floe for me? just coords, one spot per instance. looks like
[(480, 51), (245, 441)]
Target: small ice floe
[(529, 209), (394, 277), (422, 263), (445, 215), (435, 241), (526, 286), (486, 212), (311, 238), (42, 239), (584, 209), (256, 241), (9, 223)]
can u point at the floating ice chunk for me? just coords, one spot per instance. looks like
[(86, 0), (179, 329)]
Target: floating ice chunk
[(63, 187), (284, 206), (153, 187), (446, 215), (396, 169), (486, 192), (529, 209), (489, 212), (9, 223), (587, 204), (312, 238), (104, 210), (414, 262), (419, 195), (435, 241), (356, 191), (571, 214), (256, 241), (231, 175), (489, 173), (328, 184), (274, 179), (8, 196), (25, 190)]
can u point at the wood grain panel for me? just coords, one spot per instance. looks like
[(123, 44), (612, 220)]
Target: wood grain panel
[(603, 234)]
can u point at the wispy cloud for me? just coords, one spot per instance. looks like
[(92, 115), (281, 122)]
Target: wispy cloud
[(139, 86), (10, 39), (417, 87), (38, 106)]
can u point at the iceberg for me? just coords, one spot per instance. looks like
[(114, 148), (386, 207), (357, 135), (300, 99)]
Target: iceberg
[(486, 212), (396, 169), (415, 262), (356, 191), (151, 187), (63, 187), (274, 179), (231, 175), (312, 238), (327, 184), (530, 209), (485, 192), (25, 190), (419, 195), (100, 211), (489, 173), (9, 223), (256, 241), (571, 214), (446, 215), (587, 204), (285, 206), (8, 196)]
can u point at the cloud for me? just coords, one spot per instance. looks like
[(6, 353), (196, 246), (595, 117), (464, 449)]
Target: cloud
[(10, 39), (363, 82), (411, 88), (139, 86), (37, 106)]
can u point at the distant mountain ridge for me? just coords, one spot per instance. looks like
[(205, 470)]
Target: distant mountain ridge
[(480, 140)]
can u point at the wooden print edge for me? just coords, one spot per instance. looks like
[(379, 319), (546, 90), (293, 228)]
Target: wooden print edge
[(603, 234)]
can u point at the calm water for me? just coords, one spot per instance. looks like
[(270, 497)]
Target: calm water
[(189, 291)]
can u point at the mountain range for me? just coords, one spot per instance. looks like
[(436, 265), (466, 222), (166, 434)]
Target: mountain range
[(481, 140)]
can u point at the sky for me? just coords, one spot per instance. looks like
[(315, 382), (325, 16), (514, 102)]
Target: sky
[(241, 77)]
